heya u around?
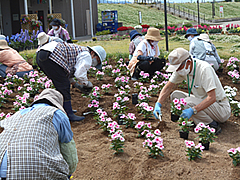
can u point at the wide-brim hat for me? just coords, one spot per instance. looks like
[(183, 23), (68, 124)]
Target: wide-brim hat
[(191, 31), (4, 44), (55, 22), (133, 34), (176, 57), (53, 96), (100, 51), (153, 34), (204, 37), (42, 38)]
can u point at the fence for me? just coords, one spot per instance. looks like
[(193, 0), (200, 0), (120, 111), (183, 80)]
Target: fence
[(182, 12)]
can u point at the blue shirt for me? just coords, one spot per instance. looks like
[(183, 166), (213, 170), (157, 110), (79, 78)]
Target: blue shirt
[(61, 124)]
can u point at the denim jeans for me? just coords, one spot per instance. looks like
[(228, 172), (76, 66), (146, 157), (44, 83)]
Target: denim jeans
[(3, 71)]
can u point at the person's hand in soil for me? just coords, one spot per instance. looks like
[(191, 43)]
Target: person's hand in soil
[(84, 89)]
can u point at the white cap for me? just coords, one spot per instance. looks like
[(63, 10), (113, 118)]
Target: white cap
[(42, 38)]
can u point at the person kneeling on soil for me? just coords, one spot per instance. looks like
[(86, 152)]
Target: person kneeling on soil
[(37, 142), (202, 48), (208, 102), (145, 57), (62, 61), (12, 61)]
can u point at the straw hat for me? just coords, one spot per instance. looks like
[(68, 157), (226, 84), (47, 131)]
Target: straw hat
[(3, 44), (42, 38), (204, 37), (153, 34), (176, 57)]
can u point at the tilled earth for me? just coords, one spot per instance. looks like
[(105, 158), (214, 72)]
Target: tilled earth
[(97, 161)]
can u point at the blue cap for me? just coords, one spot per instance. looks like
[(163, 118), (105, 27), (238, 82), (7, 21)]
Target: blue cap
[(134, 33), (191, 31)]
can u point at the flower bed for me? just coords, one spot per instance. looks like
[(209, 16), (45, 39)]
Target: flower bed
[(94, 144)]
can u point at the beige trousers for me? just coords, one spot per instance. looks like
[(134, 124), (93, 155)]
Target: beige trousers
[(218, 111)]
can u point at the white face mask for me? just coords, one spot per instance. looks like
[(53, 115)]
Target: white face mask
[(94, 62), (54, 27), (184, 72), (190, 38), (154, 43)]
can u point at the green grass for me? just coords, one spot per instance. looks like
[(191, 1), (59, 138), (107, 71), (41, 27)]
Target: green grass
[(128, 14), (230, 9), (227, 46)]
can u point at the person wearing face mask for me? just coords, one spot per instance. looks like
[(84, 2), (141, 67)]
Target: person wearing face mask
[(191, 35), (204, 49), (61, 62), (206, 99), (58, 31), (145, 57)]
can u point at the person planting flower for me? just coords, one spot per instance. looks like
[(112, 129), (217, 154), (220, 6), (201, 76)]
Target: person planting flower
[(145, 57), (208, 102)]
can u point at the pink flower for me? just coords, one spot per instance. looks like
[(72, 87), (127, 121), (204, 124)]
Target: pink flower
[(183, 123), (157, 132), (8, 115), (232, 150), (150, 144), (149, 125), (197, 129), (175, 101)]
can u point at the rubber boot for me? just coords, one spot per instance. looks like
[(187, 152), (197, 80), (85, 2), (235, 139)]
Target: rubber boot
[(68, 108)]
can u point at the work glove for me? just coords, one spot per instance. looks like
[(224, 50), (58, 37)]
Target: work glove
[(89, 85), (187, 113), (84, 89), (157, 110)]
